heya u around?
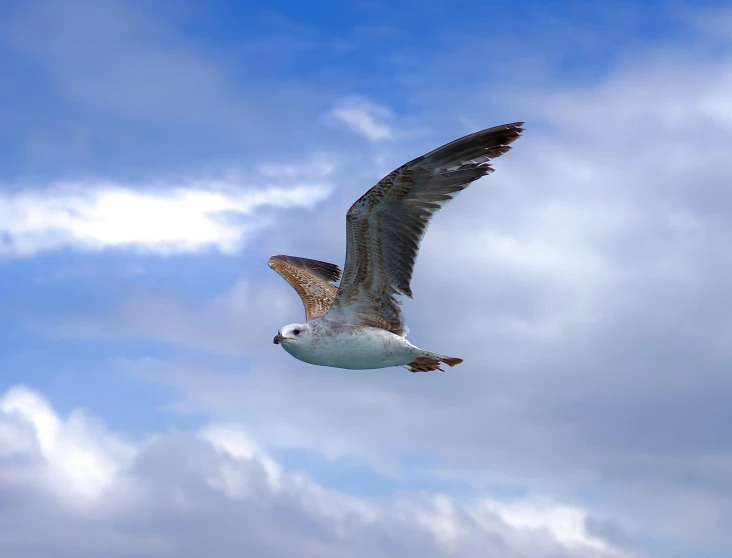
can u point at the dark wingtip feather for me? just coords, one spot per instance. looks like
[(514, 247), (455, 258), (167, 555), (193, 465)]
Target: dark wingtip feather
[(485, 144)]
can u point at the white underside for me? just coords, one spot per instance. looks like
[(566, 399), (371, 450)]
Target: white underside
[(353, 347)]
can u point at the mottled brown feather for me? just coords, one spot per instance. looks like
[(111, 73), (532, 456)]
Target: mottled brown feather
[(311, 279), (385, 226)]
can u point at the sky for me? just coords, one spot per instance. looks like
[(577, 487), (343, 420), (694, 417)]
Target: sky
[(154, 154)]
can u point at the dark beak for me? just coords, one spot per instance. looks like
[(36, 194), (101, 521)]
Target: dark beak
[(277, 339)]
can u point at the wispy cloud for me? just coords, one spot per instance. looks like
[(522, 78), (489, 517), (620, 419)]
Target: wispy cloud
[(364, 117), (217, 215)]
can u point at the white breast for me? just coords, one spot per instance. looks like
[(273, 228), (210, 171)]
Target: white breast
[(353, 347)]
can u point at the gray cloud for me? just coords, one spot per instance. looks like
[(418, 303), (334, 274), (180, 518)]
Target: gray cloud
[(599, 358), (217, 492)]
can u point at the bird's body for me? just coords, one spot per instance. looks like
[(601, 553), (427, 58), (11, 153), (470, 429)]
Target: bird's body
[(359, 325), (353, 347)]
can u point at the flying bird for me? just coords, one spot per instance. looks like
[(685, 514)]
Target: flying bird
[(359, 324)]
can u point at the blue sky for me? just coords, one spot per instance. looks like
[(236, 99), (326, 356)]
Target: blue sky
[(153, 155)]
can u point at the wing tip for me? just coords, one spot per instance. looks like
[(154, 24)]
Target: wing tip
[(272, 259), (478, 148), (511, 132), (324, 270)]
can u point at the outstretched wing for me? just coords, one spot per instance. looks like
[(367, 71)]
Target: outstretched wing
[(312, 281), (385, 226)]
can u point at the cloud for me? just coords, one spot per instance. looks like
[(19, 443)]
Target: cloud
[(177, 219), (364, 117), (76, 459), (597, 361), (218, 489)]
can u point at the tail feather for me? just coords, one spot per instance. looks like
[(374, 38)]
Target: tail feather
[(451, 361), (430, 362)]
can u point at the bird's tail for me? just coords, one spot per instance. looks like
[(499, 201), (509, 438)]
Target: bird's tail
[(431, 361)]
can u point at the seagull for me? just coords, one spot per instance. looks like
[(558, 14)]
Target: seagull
[(359, 325)]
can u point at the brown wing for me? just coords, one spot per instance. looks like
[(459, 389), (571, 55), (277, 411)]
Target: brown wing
[(385, 226), (312, 281)]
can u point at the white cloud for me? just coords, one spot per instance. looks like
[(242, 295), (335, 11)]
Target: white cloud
[(79, 458), (232, 440), (145, 497), (566, 523), (221, 216), (364, 117)]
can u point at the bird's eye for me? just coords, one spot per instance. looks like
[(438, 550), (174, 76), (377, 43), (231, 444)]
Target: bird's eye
[(296, 332)]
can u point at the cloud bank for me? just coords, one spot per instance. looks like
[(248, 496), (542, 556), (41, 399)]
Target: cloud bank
[(89, 491)]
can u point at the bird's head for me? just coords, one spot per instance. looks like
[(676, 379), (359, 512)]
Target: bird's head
[(292, 335)]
